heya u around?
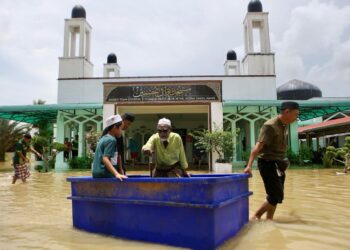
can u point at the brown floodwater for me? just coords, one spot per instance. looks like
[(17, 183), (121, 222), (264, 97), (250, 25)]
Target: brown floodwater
[(314, 215)]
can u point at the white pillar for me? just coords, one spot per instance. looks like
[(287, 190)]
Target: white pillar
[(252, 134), (217, 118), (66, 40), (60, 164), (233, 130), (81, 139), (73, 42), (108, 110), (81, 40), (88, 45), (250, 37)]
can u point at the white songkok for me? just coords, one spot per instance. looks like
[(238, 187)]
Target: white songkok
[(113, 120), (164, 121)]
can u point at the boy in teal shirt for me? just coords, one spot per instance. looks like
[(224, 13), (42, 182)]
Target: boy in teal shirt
[(106, 155)]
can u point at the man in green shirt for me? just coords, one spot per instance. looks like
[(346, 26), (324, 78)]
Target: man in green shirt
[(271, 149), (170, 158), (20, 159)]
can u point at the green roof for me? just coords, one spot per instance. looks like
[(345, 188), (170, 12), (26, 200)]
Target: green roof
[(308, 108), (35, 113)]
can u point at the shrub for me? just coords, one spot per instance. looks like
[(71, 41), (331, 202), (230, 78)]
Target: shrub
[(293, 157), (80, 163), (217, 140), (305, 154)]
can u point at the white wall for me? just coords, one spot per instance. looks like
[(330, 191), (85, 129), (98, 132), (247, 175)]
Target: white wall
[(90, 90), (249, 88), (80, 91)]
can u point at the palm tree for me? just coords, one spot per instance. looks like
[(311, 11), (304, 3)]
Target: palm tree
[(39, 102), (10, 133)]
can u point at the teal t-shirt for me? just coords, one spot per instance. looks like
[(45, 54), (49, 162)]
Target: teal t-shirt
[(106, 146), (21, 146)]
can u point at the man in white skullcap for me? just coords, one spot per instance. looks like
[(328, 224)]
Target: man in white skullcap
[(170, 158)]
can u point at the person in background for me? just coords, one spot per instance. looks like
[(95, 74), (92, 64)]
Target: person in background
[(20, 159), (106, 157), (170, 158), (128, 119), (68, 149), (271, 149), (133, 147), (75, 147)]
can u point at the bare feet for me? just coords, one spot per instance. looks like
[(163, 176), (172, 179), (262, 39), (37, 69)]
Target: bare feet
[(254, 218)]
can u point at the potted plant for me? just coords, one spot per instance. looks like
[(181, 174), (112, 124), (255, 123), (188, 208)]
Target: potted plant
[(220, 142)]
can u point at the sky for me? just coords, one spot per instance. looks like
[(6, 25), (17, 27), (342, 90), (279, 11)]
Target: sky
[(310, 39)]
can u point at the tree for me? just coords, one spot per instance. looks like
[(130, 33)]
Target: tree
[(39, 102), (10, 133), (341, 155)]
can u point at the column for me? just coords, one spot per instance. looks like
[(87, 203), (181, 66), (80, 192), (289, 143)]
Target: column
[(66, 40), (82, 40), (250, 36), (81, 139), (108, 110), (294, 137), (252, 134), (233, 130), (88, 41), (60, 164), (73, 42), (217, 118)]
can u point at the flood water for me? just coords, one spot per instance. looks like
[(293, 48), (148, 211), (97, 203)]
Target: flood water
[(315, 215)]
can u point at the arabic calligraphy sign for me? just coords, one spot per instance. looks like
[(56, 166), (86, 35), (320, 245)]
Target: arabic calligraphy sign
[(162, 92)]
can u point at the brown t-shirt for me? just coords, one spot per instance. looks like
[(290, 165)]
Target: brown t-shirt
[(274, 134)]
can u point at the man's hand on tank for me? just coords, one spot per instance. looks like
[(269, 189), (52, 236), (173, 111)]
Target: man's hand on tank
[(248, 170)]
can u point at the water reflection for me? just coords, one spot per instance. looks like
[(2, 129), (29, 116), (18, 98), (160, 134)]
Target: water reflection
[(315, 215)]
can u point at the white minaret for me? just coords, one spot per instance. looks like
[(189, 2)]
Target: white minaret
[(232, 66), (111, 68), (258, 60), (75, 62)]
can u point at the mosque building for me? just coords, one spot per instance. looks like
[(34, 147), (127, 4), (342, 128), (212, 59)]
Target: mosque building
[(243, 97)]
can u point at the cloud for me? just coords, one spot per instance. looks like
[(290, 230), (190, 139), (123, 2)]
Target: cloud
[(157, 37), (314, 47)]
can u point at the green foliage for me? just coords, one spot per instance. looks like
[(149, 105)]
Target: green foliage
[(293, 157), (59, 147), (245, 155), (329, 156), (39, 168), (51, 162), (45, 128), (347, 143), (10, 133), (340, 155), (305, 154), (39, 143), (80, 163), (217, 140)]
